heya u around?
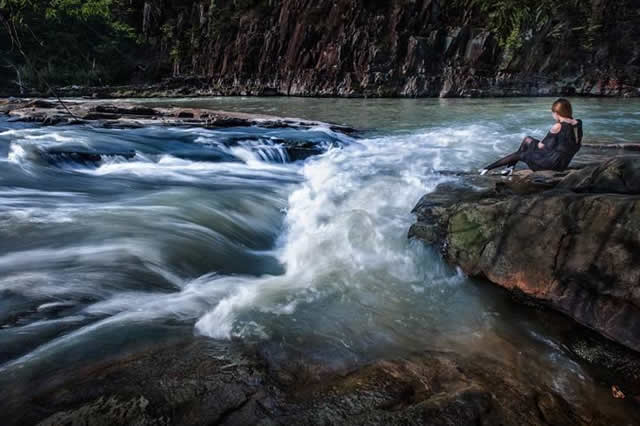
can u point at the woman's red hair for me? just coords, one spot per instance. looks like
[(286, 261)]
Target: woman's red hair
[(562, 107)]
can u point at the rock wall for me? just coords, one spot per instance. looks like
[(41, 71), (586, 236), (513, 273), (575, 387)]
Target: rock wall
[(389, 48)]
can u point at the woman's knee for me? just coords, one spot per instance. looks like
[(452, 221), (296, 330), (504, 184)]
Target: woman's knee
[(527, 142)]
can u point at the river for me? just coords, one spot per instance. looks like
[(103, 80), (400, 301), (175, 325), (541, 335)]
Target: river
[(188, 231)]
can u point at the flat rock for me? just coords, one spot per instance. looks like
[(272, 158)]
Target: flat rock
[(127, 115)]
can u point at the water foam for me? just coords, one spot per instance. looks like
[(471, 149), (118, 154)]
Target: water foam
[(345, 233), (345, 228)]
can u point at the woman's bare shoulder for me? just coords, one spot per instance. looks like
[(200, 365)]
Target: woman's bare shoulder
[(556, 128)]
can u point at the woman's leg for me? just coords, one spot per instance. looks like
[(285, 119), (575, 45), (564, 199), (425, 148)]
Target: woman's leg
[(528, 143), (510, 160)]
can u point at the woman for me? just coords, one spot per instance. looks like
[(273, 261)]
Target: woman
[(555, 151)]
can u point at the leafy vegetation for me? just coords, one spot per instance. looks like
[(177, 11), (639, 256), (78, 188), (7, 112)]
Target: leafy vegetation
[(514, 22), (64, 41)]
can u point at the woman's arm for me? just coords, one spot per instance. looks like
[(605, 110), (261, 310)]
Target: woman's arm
[(569, 120), (579, 135)]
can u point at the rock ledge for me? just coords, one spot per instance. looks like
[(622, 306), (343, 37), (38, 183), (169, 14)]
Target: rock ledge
[(570, 240)]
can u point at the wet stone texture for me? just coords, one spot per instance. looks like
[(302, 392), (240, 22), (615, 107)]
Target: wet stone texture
[(200, 382), (128, 115)]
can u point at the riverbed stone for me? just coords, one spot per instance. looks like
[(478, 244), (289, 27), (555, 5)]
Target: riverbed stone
[(124, 115), (201, 381)]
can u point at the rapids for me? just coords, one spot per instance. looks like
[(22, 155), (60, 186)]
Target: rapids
[(222, 233)]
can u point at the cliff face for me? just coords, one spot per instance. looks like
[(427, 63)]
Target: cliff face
[(325, 47), (392, 48)]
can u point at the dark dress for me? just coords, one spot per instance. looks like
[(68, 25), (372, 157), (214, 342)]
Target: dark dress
[(559, 149)]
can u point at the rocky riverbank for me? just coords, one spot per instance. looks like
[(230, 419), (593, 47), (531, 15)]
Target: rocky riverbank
[(569, 240), (201, 381)]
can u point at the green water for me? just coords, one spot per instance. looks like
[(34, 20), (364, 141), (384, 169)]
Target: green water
[(607, 119)]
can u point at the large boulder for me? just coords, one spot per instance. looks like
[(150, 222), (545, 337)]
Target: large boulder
[(570, 240)]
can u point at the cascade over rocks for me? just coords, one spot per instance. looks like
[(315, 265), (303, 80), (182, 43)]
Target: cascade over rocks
[(130, 115)]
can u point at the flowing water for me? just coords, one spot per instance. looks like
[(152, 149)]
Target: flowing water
[(187, 231)]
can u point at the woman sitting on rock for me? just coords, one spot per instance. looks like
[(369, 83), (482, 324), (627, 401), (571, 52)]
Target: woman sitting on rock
[(555, 151)]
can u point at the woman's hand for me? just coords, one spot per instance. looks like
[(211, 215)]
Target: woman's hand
[(540, 145), (569, 120)]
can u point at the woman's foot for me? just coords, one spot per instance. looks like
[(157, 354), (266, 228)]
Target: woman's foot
[(507, 172)]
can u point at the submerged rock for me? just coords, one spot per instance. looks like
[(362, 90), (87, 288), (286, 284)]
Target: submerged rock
[(569, 239)]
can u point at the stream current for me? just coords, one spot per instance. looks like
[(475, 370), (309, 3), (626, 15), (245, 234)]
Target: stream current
[(189, 231)]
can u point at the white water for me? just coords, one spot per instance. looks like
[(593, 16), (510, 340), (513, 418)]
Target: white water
[(346, 230)]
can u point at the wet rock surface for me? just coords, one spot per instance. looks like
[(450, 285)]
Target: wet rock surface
[(201, 381), (125, 115), (570, 240), (133, 116)]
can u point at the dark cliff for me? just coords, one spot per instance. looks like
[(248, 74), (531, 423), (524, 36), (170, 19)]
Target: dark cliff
[(388, 48)]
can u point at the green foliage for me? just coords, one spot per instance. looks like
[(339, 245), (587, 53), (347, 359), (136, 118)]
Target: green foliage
[(509, 19), (514, 22), (97, 42), (80, 9), (66, 41)]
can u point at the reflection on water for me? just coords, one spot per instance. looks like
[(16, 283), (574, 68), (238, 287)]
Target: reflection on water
[(174, 231)]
